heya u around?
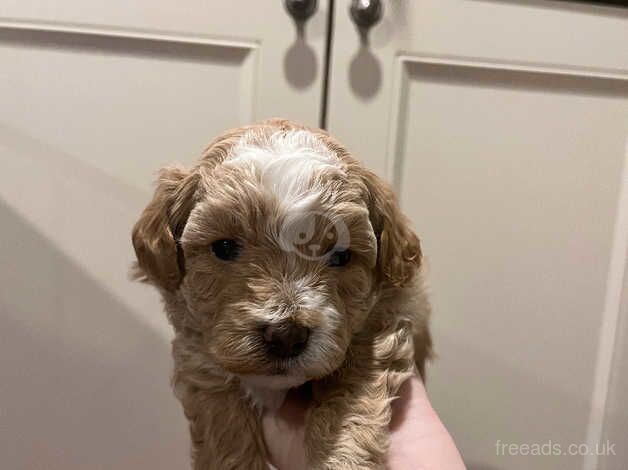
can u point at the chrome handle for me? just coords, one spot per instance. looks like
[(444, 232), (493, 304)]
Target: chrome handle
[(301, 10), (366, 13)]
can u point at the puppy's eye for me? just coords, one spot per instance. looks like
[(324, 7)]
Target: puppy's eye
[(339, 257), (226, 250)]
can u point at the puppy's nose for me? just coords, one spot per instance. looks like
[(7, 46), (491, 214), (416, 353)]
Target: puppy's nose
[(286, 339)]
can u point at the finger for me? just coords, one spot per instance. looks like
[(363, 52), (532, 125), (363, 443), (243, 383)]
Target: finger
[(418, 437), (284, 432), (284, 442)]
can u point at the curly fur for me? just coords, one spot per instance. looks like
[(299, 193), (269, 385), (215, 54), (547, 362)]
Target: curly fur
[(369, 319)]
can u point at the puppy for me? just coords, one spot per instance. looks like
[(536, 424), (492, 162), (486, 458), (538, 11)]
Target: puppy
[(282, 260)]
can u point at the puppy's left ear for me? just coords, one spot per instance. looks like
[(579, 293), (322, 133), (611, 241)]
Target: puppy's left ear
[(398, 248), (155, 235)]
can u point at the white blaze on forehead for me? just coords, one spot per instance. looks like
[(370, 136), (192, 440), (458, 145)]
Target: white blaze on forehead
[(288, 164)]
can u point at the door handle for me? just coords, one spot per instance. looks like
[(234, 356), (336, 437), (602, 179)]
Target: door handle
[(366, 13), (301, 10)]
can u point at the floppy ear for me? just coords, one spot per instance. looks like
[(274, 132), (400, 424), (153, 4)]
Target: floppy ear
[(398, 248), (155, 235)]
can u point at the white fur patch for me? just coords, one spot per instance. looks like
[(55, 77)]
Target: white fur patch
[(269, 391), (274, 382), (287, 164)]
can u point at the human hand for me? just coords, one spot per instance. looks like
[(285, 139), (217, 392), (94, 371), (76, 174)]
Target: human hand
[(418, 439)]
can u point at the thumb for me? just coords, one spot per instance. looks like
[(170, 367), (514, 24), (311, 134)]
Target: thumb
[(284, 434)]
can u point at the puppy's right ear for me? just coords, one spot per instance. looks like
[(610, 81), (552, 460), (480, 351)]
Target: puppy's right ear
[(155, 235)]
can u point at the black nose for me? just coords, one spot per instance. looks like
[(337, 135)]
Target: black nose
[(286, 339)]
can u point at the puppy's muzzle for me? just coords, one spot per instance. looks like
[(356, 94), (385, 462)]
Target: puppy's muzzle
[(286, 339)]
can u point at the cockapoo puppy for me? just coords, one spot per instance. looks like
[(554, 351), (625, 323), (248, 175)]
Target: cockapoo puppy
[(281, 260)]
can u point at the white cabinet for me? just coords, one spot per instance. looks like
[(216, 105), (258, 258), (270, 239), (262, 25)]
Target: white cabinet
[(501, 124), (503, 127), (95, 96)]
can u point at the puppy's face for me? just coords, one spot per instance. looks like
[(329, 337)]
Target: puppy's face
[(279, 256), (277, 253)]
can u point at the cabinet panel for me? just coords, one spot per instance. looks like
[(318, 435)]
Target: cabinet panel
[(616, 422), (516, 210)]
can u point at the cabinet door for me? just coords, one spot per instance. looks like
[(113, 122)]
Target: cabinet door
[(502, 125), (95, 96)]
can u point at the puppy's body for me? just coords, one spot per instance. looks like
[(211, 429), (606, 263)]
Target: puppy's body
[(320, 283)]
